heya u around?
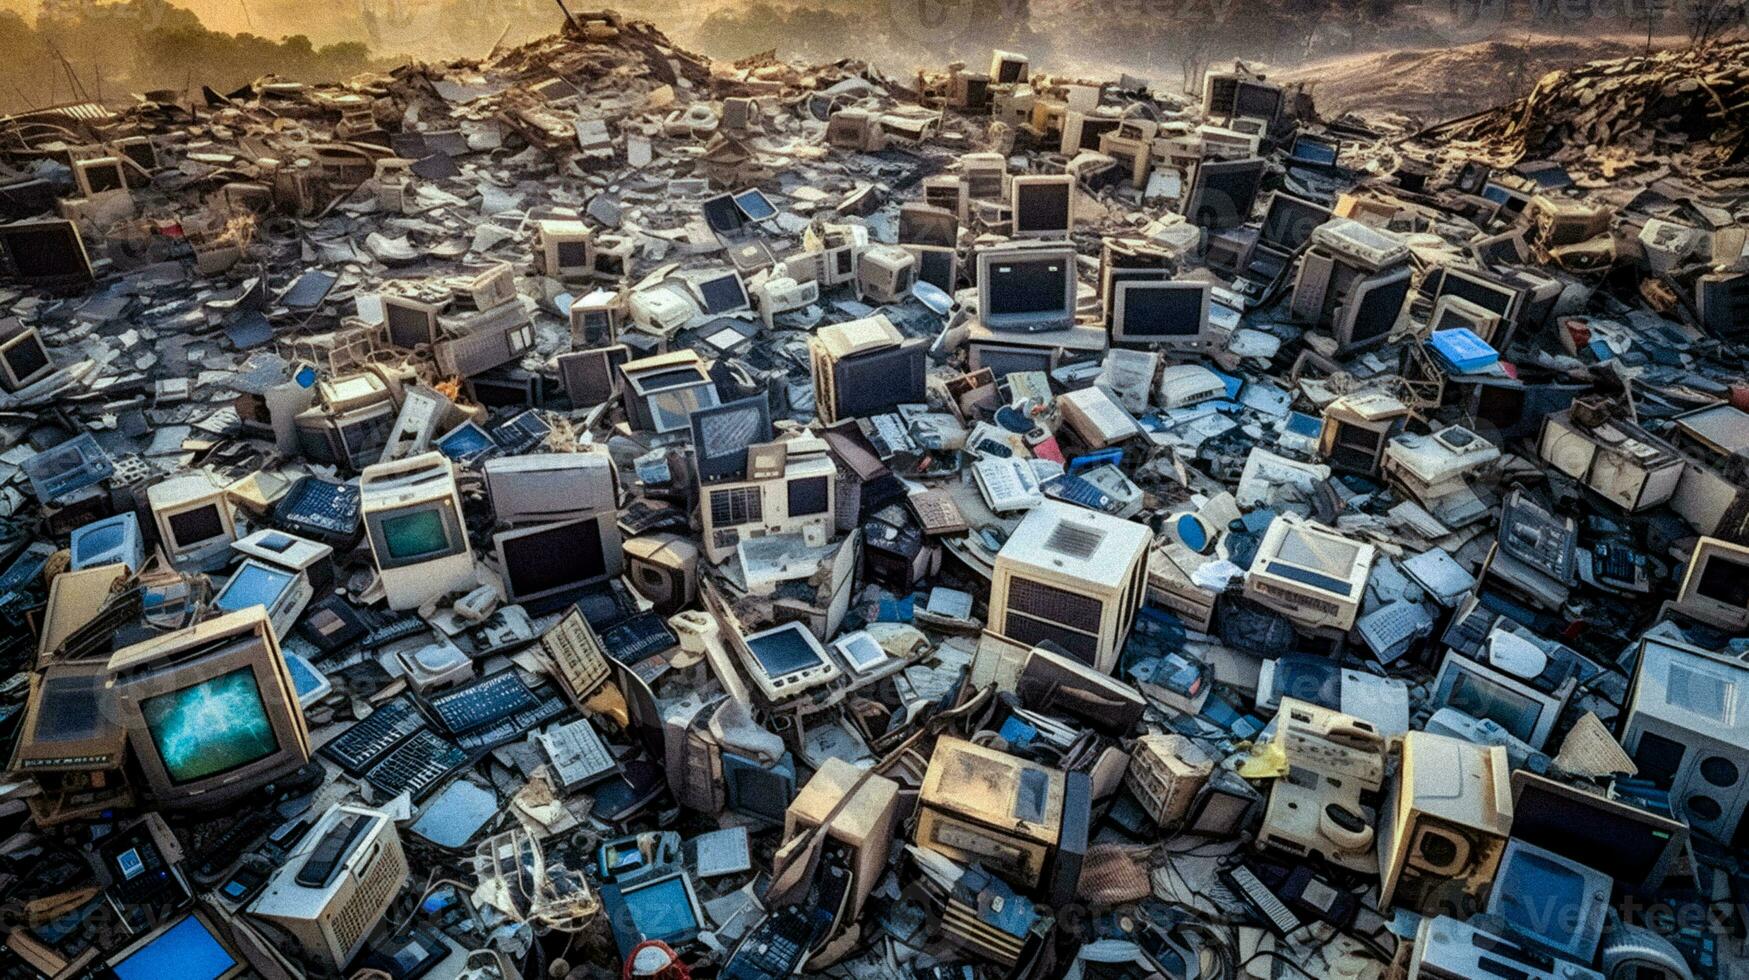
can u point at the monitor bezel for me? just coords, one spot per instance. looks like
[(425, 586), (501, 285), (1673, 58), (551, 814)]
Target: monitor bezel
[(1021, 185), (29, 335), (173, 543), (1550, 707), (239, 964), (612, 555), (1689, 599), (1120, 301), (443, 501), (1028, 322), (1199, 188)]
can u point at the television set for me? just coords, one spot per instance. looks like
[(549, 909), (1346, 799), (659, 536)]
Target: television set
[(1172, 314), (49, 253), (1632, 844), (721, 435), (23, 358), (1715, 586), (1043, 205), (211, 711), (187, 947), (1223, 192), (559, 558), (1550, 901), (1027, 289)]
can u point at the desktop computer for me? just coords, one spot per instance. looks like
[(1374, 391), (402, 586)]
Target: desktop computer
[(337, 884), (411, 320), (1518, 704), (799, 501), (1686, 725), (663, 391), (552, 561), (864, 825), (1624, 463), (1443, 825), (1310, 573), (412, 515), (1356, 429), (1715, 585), (864, 368), (283, 592), (563, 249), (210, 710), (541, 488), (979, 805), (1027, 288), (1071, 576), (194, 521)]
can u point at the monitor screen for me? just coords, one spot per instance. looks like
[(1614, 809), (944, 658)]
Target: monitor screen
[(45, 250), (26, 357), (465, 441), (254, 584), (1029, 284), (1310, 150), (1482, 697), (572, 254), (1496, 298), (1225, 192), (1002, 362), (1290, 221), (553, 558), (184, 951), (71, 707), (1598, 833), (754, 204), (409, 326), (928, 226), (661, 909), (1379, 309), (935, 266), (1725, 581), (723, 294), (785, 651), (1257, 100), (415, 534), (880, 381), (1549, 900), (100, 177), (197, 524), (1161, 309), (721, 435), (722, 212), (1093, 127), (809, 496), (1042, 206), (210, 728)]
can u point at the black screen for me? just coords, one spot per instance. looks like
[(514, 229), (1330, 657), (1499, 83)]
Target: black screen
[(1486, 295), (49, 250), (1725, 581), (1290, 221), (721, 435), (26, 358), (928, 226), (1603, 834), (1009, 72), (722, 294), (876, 382), (1257, 100), (721, 213), (1225, 193), (1028, 285), (1041, 207), (409, 327), (808, 496), (1161, 310), (1378, 311), (1002, 363), (936, 268), (103, 178), (1658, 758), (1093, 129), (572, 254), (194, 526), (564, 554)]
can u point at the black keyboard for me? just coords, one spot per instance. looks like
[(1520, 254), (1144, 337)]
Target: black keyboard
[(484, 702), (643, 635), (775, 947), (387, 631), (417, 766), (326, 510), (522, 433), (364, 744), (514, 727)]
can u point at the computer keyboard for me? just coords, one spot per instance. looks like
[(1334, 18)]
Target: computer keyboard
[(1256, 895), (577, 753), (484, 702), (326, 510), (775, 947), (365, 743), (512, 728), (417, 766), (387, 631)]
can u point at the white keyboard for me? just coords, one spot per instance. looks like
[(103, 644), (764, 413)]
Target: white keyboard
[(577, 753)]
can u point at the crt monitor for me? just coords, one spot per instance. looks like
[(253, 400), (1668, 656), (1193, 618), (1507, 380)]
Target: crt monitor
[(1480, 692), (721, 435), (23, 359), (809, 496), (1160, 312), (254, 584), (1042, 205), (1630, 843), (1372, 311), (937, 266), (553, 559), (188, 947), (877, 382), (758, 790), (1289, 221), (1491, 295), (787, 650), (1550, 901), (410, 323), (45, 252), (1224, 192), (1257, 99), (1027, 290), (922, 224), (723, 294), (662, 908), (1004, 361), (1715, 588)]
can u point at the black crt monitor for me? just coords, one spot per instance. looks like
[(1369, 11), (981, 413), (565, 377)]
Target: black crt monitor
[(1041, 206), (723, 294), (1027, 290), (46, 252), (1630, 843), (723, 214), (1289, 221), (1224, 192), (921, 224), (409, 326), (1093, 127), (721, 435), (1003, 361), (104, 176), (555, 558), (809, 496), (1380, 307), (1160, 312), (1466, 284), (26, 357), (877, 382), (1257, 99), (939, 267)]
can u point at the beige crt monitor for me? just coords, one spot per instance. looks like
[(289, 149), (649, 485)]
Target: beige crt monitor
[(210, 711), (194, 520), (1715, 587), (413, 519)]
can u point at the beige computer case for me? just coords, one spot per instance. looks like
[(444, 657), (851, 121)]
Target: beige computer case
[(1444, 823), (980, 805)]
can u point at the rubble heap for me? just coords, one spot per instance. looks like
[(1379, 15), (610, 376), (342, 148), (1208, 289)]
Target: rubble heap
[(593, 512)]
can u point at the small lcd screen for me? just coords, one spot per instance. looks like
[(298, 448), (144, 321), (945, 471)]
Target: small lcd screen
[(191, 527), (723, 294), (415, 535), (809, 496), (210, 728), (1725, 581), (754, 205), (253, 585), (465, 441), (185, 951), (1026, 285), (785, 651), (70, 708), (554, 558), (26, 357), (1162, 309), (661, 910), (1042, 206)]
